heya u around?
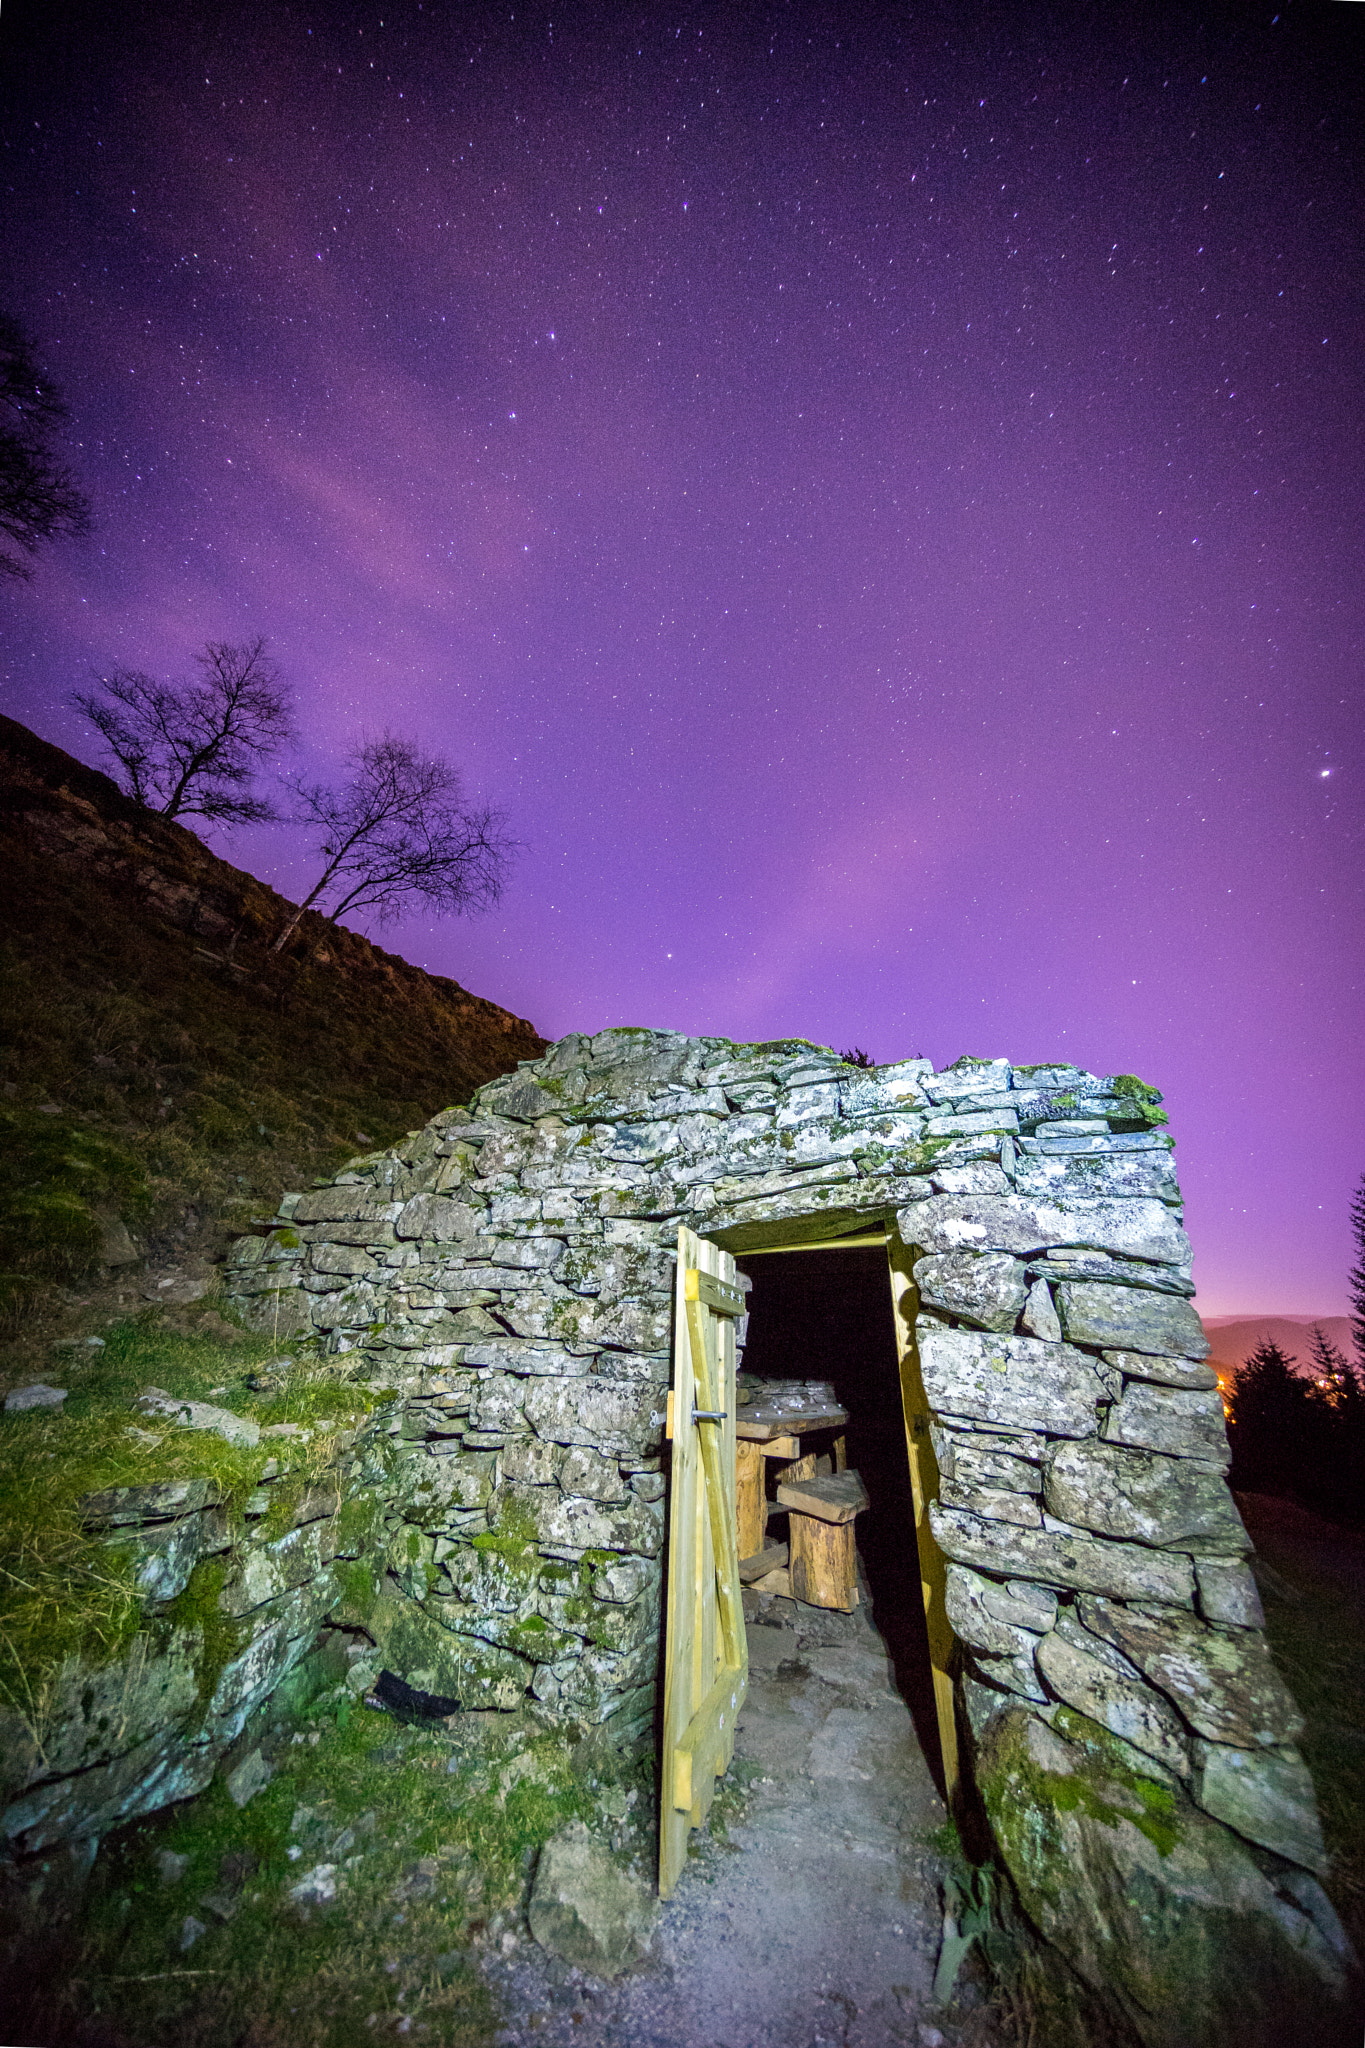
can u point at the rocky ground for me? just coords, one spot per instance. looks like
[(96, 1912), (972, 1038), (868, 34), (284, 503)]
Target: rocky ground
[(815, 1916)]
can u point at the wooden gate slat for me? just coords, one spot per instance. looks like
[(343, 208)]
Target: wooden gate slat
[(706, 1662)]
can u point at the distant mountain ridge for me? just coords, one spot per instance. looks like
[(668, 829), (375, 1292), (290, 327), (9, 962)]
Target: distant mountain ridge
[(1234, 1338)]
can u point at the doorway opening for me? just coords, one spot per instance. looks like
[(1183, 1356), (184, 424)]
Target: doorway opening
[(826, 1314)]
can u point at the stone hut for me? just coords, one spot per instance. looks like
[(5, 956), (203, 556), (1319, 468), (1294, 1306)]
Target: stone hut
[(508, 1272)]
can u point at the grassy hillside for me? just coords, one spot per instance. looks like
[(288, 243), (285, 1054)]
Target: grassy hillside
[(163, 1075), (163, 1079)]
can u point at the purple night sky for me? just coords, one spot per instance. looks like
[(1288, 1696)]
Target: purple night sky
[(876, 494)]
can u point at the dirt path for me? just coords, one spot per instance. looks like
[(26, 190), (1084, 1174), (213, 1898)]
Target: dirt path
[(816, 1924)]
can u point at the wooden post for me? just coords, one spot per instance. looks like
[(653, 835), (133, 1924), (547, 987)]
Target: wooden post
[(749, 1502), (800, 1468), (924, 1486)]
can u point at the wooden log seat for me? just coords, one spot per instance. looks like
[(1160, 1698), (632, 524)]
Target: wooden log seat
[(823, 1553)]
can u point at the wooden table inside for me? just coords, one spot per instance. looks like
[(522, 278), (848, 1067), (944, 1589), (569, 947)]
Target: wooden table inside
[(772, 1427)]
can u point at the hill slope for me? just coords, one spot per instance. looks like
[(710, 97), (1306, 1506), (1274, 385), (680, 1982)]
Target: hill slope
[(160, 1068)]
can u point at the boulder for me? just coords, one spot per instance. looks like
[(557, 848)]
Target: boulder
[(1064, 1557), (1222, 1680), (1165, 1371), (1185, 1423), (995, 1503), (1162, 1912), (118, 1507), (1268, 1798), (588, 1474), (1071, 1174), (1091, 1676), (969, 1605), (1040, 1318), (1011, 1223), (585, 1908), (1228, 1593), (985, 1461), (1016, 1673), (237, 1430), (20, 1399), (165, 1553), (251, 1776), (1011, 1382), (617, 1417), (634, 1526)]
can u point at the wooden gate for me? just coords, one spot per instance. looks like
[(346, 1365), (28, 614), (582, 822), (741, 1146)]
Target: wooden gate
[(924, 1486), (706, 1656)]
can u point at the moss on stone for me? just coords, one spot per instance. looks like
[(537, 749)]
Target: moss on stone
[(1168, 1920), (358, 1589), (1021, 1796), (199, 1610), (357, 1523), (1143, 1096)]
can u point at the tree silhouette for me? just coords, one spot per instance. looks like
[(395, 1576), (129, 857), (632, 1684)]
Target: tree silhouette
[(1356, 1282), (1271, 1420), (398, 830), (1335, 1374), (39, 499), (192, 749)]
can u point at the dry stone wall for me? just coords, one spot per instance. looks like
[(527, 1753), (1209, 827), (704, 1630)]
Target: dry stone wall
[(507, 1271), (232, 1602)]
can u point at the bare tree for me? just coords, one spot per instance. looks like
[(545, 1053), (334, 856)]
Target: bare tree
[(192, 749), (400, 829), (39, 499)]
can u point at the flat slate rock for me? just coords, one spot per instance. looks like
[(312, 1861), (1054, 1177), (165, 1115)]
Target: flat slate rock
[(835, 1497), (1009, 1382), (36, 1396), (1222, 1680)]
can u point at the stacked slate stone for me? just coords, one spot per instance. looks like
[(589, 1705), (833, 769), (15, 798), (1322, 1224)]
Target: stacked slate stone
[(508, 1269), (1096, 1554)]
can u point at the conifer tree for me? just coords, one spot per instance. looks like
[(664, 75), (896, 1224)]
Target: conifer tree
[(1271, 1421), (1357, 1279)]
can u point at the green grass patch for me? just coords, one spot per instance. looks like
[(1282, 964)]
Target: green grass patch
[(60, 1181)]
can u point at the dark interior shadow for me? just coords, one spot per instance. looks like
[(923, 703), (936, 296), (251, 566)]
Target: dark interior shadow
[(827, 1315)]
